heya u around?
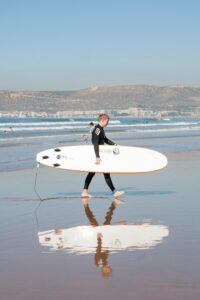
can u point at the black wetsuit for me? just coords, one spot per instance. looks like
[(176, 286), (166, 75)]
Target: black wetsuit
[(99, 138)]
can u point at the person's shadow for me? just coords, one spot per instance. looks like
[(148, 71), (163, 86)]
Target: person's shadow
[(101, 254)]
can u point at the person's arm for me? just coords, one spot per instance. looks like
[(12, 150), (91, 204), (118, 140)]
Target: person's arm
[(109, 142), (95, 140)]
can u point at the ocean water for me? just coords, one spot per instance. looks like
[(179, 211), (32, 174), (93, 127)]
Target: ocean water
[(22, 138), (16, 128)]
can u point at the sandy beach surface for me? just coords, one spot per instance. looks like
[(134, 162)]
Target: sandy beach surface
[(153, 253)]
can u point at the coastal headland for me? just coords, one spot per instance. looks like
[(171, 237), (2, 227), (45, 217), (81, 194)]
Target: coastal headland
[(129, 100)]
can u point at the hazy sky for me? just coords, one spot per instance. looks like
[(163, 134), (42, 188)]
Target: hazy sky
[(74, 44)]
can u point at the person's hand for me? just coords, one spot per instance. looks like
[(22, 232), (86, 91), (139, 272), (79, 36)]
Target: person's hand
[(98, 161)]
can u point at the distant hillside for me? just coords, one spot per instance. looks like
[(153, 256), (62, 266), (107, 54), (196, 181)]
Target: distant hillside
[(181, 100)]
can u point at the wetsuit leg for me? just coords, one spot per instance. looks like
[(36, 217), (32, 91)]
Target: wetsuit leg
[(88, 180), (109, 181)]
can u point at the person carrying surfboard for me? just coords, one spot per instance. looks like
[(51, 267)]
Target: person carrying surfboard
[(86, 136), (99, 138)]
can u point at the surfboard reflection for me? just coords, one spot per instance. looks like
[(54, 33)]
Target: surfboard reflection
[(95, 238), (84, 239)]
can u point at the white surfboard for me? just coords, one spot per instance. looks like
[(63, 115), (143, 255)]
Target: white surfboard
[(84, 239), (114, 159)]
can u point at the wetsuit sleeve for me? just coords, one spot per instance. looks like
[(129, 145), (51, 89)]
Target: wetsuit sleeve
[(109, 142)]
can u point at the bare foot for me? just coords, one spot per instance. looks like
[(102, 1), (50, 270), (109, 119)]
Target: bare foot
[(85, 194), (118, 193)]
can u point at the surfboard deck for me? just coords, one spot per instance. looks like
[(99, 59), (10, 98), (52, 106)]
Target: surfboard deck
[(114, 159)]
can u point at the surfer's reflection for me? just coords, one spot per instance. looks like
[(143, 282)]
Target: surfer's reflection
[(102, 253)]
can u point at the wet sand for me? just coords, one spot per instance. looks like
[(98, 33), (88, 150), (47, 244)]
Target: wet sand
[(168, 269)]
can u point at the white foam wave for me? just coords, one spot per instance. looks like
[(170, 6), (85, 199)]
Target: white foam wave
[(162, 124), (128, 127), (44, 128)]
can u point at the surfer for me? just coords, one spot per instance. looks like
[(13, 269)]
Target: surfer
[(99, 138), (86, 136)]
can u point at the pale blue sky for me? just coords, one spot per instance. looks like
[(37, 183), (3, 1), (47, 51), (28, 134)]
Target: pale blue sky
[(74, 44)]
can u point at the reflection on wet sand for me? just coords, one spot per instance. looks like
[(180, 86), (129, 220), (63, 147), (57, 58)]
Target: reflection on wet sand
[(103, 239)]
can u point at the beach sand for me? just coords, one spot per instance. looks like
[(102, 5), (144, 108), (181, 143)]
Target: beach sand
[(167, 270)]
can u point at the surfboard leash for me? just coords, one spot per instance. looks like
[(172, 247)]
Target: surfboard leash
[(35, 183)]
